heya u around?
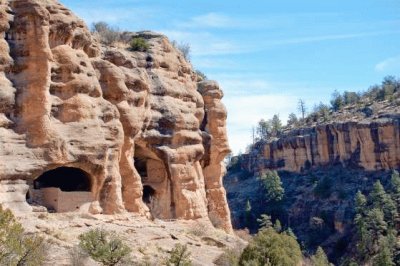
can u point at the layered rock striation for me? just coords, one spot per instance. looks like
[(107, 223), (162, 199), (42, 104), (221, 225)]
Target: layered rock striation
[(150, 139), (370, 144)]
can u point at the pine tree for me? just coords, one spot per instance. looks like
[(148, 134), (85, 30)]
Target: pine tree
[(292, 120), (271, 248), (264, 221), (278, 226), (248, 212), (276, 124), (320, 258), (384, 256), (360, 202), (380, 200), (273, 186), (395, 186)]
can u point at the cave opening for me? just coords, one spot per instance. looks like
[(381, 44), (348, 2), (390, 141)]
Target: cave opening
[(141, 166), (65, 178), (148, 194)]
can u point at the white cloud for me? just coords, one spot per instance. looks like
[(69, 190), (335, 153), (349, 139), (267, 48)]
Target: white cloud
[(210, 20), (245, 111), (388, 64), (203, 43)]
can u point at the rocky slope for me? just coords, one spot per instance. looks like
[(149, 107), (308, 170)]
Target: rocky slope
[(126, 119)]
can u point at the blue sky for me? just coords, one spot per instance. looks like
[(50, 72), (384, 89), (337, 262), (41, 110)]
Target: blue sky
[(268, 54)]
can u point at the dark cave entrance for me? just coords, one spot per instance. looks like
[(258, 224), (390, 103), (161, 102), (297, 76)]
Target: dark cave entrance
[(141, 166), (65, 178), (148, 194)]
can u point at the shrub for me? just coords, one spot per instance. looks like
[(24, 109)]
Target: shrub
[(108, 35), (104, 247), (271, 248), (230, 257), (201, 75), (180, 256), (184, 48), (139, 44), (16, 247)]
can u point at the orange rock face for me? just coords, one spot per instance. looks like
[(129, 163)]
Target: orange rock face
[(150, 139), (372, 145)]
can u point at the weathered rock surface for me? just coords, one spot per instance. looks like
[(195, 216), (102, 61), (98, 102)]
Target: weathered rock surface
[(132, 121), (372, 145)]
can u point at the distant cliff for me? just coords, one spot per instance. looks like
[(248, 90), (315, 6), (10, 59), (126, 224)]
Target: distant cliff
[(371, 144)]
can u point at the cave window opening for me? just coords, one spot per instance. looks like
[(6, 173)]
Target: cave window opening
[(65, 178), (148, 194), (141, 167)]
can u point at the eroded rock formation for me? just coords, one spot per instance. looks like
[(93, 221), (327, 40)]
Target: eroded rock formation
[(372, 145), (150, 140)]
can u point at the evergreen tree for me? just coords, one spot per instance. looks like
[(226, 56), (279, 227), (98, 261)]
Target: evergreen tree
[(395, 186), (271, 248), (263, 129), (264, 221), (248, 212), (276, 125), (278, 226), (380, 200), (320, 258), (292, 120), (16, 247), (337, 101), (384, 256), (273, 186), (360, 202)]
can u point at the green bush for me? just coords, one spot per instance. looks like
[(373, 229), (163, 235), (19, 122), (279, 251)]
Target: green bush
[(16, 247), (180, 256), (271, 248), (104, 247), (139, 44)]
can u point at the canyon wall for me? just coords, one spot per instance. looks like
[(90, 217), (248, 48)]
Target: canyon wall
[(150, 138), (372, 145)]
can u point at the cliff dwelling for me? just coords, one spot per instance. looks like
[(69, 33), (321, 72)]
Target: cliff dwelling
[(156, 192), (63, 189)]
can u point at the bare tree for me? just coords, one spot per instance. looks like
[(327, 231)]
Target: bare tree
[(301, 106)]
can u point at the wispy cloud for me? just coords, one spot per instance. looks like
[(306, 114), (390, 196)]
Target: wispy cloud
[(388, 64), (328, 37), (209, 20), (245, 112), (203, 43)]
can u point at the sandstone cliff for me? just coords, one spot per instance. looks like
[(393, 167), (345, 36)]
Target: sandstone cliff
[(130, 121), (370, 144)]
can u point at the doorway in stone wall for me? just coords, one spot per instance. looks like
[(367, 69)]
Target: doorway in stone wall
[(153, 177)]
